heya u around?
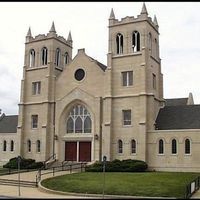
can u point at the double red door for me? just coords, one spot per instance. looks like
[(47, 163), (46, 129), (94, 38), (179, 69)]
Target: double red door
[(71, 151), (84, 151)]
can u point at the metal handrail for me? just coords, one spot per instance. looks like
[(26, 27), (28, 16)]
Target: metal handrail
[(52, 156), (39, 174), (188, 192)]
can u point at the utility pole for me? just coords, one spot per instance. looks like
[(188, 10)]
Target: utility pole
[(104, 169), (18, 162)]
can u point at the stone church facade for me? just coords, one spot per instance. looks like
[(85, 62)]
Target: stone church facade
[(78, 109)]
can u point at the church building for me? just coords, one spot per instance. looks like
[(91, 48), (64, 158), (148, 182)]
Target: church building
[(78, 109)]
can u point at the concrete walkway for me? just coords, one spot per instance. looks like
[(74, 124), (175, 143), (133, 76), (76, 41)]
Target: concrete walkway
[(196, 195), (28, 192)]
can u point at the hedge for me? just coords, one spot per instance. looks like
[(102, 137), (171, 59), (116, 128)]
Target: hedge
[(24, 164), (116, 165)]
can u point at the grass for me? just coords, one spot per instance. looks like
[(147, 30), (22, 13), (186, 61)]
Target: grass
[(151, 184)]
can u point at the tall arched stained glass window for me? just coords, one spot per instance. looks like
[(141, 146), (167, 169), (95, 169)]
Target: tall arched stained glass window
[(79, 120)]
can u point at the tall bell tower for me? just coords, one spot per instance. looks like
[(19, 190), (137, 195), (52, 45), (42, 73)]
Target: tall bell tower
[(45, 58), (134, 89)]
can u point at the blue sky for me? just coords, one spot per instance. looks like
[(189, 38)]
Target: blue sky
[(179, 27)]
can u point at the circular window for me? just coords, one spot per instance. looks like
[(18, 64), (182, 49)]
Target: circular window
[(79, 74)]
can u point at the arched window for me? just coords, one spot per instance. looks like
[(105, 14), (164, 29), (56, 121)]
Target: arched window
[(174, 146), (12, 145), (38, 146), (79, 120), (120, 146), (136, 41), (133, 146), (87, 125), (150, 42), (66, 58), (57, 61), (44, 55), (119, 42), (160, 146), (4, 145), (29, 145), (187, 146), (32, 58)]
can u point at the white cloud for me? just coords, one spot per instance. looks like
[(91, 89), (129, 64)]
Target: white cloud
[(179, 39)]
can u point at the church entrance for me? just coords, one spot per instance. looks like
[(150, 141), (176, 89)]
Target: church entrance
[(78, 151), (85, 151), (70, 151)]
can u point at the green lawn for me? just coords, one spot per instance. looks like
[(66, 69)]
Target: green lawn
[(152, 184)]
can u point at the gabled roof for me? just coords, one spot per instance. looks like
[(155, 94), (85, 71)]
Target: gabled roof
[(178, 117), (176, 102), (102, 66), (8, 124)]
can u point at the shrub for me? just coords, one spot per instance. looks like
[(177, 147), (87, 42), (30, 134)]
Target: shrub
[(24, 164), (116, 165), (35, 165)]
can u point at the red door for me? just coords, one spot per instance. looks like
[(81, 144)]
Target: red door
[(70, 151), (85, 151)]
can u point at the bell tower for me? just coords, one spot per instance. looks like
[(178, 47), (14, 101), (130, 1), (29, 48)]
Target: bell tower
[(134, 88), (45, 58)]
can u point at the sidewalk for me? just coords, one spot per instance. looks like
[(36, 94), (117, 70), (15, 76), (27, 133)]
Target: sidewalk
[(28, 192), (196, 195)]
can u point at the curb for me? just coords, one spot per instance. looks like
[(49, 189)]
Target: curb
[(46, 190)]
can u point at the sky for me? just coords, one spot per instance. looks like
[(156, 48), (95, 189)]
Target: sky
[(179, 28)]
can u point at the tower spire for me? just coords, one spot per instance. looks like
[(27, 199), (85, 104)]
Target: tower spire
[(29, 35), (155, 20), (69, 36), (144, 10), (29, 32), (52, 30), (112, 14)]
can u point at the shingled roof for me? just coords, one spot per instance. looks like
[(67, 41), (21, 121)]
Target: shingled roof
[(176, 102), (8, 124), (178, 117), (102, 66)]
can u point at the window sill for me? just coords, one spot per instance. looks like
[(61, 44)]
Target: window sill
[(161, 154), (35, 95), (127, 126), (189, 154), (36, 68), (128, 54), (174, 154), (127, 86)]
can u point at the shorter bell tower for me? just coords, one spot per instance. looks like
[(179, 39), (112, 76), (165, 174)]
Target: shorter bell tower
[(45, 58)]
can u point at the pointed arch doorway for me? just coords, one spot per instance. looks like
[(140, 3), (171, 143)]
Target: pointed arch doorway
[(78, 146)]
